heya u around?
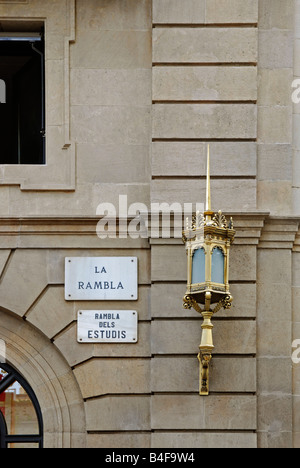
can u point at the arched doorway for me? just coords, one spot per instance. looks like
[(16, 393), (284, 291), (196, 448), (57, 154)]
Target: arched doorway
[(21, 422), (42, 366)]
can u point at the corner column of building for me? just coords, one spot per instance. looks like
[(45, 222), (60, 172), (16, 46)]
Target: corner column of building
[(296, 340), (274, 333), (275, 194)]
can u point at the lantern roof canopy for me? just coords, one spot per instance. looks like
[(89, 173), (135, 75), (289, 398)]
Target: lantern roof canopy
[(203, 224)]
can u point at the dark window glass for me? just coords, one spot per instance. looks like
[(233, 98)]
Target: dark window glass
[(22, 119)]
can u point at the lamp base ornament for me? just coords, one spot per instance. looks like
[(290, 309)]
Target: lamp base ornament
[(206, 347), (204, 361)]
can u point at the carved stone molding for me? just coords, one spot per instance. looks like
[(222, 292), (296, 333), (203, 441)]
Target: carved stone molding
[(279, 233)]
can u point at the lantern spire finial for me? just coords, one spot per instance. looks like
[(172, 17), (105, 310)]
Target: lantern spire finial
[(208, 197), (208, 213)]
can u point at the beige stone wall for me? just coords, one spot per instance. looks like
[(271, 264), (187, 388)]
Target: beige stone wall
[(98, 71), (201, 94), (135, 90), (105, 388)]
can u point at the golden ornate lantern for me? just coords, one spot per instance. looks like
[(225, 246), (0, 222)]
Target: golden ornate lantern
[(207, 239)]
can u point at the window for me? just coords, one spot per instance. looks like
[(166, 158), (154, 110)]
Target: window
[(55, 170), (198, 267), (217, 265), (22, 98), (21, 424)]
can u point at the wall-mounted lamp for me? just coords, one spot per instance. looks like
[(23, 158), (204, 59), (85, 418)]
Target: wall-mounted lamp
[(207, 239)]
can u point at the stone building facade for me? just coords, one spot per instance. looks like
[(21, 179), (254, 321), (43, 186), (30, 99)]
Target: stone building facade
[(134, 91)]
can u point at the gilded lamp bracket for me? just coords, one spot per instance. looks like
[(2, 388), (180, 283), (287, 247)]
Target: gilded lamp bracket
[(189, 302)]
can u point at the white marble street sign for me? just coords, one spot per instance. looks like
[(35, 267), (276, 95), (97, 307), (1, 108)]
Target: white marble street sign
[(107, 326), (101, 279)]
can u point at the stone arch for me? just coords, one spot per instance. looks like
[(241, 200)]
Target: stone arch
[(38, 360)]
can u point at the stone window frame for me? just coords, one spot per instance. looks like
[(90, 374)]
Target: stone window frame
[(58, 173)]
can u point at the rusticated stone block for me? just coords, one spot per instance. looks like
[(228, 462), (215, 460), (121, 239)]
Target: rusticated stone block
[(215, 412), (118, 413), (204, 121), (218, 45)]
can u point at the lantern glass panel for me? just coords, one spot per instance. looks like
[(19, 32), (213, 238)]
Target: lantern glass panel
[(198, 267), (217, 266)]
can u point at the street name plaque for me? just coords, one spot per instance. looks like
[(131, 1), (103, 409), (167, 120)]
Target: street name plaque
[(107, 326), (101, 279)]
